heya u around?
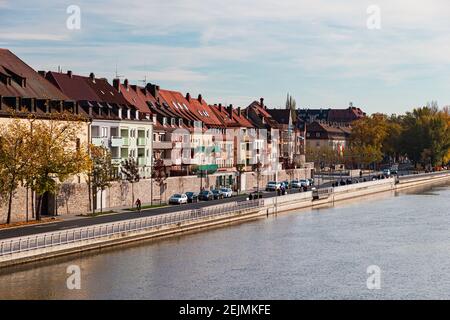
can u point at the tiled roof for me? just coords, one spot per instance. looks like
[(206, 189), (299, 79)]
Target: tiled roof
[(33, 85), (203, 111), (135, 95), (75, 87)]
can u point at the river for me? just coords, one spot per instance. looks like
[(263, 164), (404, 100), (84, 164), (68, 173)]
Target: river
[(311, 254)]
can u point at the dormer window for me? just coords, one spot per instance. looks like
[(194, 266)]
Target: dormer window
[(172, 121), (165, 121), (180, 122)]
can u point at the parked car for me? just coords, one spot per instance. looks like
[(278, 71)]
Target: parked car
[(192, 197), (311, 182), (304, 182), (285, 184), (387, 172), (178, 198), (227, 192), (217, 194), (273, 186), (295, 184), (255, 195), (206, 195)]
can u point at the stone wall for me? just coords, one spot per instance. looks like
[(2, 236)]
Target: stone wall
[(73, 198)]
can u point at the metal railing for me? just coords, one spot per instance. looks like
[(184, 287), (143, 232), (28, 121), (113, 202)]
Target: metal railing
[(57, 238)]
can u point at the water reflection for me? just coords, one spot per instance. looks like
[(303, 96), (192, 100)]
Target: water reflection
[(321, 253)]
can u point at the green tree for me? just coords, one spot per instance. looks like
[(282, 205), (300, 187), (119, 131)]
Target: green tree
[(101, 173), (130, 173)]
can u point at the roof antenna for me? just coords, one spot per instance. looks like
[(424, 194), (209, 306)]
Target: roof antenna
[(117, 74), (144, 81)]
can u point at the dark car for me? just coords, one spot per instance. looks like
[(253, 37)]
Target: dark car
[(206, 195), (192, 197), (217, 194), (255, 195)]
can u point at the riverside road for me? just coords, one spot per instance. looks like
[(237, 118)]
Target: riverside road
[(89, 221)]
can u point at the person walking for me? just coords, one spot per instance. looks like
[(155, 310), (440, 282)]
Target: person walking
[(138, 204)]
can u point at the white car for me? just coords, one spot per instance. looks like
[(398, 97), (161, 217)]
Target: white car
[(178, 198), (304, 183), (227, 192), (296, 184), (273, 186)]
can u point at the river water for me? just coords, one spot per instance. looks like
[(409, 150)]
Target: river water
[(311, 254)]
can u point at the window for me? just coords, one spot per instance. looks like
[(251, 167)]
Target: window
[(165, 121), (180, 122), (172, 121), (104, 132)]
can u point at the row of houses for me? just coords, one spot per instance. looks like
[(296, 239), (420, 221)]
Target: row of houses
[(181, 130)]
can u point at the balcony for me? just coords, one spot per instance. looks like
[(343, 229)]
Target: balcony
[(141, 141), (98, 141), (164, 145), (142, 161), (116, 161), (117, 141)]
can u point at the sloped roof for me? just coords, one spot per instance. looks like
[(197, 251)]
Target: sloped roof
[(75, 87), (36, 86), (135, 95), (203, 111), (280, 115)]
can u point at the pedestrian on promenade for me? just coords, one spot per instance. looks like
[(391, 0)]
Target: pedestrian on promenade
[(138, 204)]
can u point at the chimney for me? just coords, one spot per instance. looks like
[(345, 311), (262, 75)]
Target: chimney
[(153, 89), (220, 107), (134, 87), (116, 84), (230, 110), (125, 83), (41, 73), (92, 76), (69, 73), (188, 97), (200, 98), (239, 111), (261, 102)]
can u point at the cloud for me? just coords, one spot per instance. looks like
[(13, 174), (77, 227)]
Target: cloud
[(31, 36)]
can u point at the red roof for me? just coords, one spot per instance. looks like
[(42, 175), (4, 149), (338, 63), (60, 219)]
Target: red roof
[(135, 95), (235, 121), (24, 81), (203, 111), (75, 87), (178, 104)]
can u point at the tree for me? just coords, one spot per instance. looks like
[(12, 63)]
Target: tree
[(257, 170), (159, 174), (16, 153), (101, 173), (240, 168), (57, 154), (130, 172), (291, 104)]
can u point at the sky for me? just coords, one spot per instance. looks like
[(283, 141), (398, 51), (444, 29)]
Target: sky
[(321, 51)]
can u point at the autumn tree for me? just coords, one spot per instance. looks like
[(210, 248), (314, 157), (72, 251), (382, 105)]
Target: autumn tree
[(130, 173), (16, 153), (57, 154)]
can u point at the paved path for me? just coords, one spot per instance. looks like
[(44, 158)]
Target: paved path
[(77, 222)]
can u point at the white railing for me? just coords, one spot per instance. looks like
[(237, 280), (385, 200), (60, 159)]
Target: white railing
[(57, 238)]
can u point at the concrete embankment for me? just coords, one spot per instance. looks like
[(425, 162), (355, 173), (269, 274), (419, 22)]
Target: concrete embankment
[(22, 250)]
